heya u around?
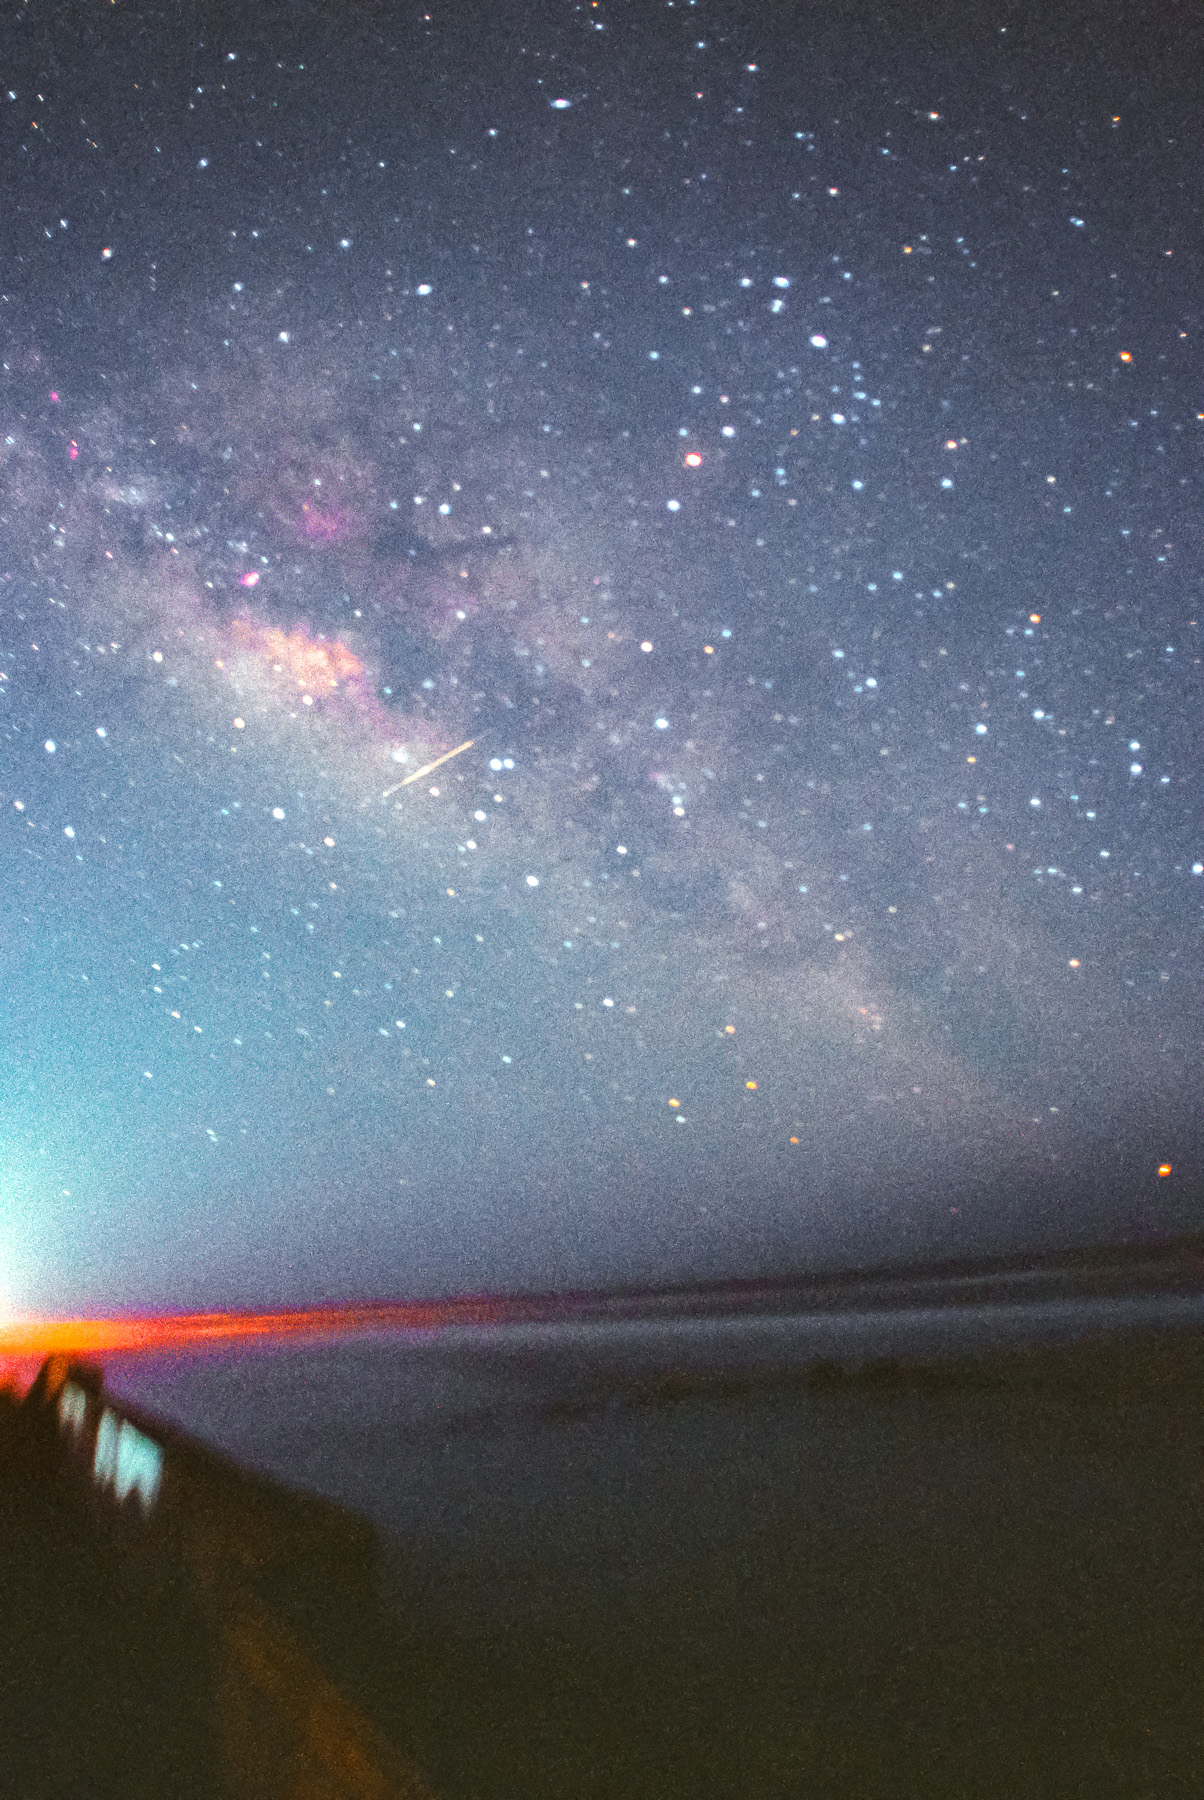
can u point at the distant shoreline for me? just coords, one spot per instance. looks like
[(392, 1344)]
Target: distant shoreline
[(1115, 1369)]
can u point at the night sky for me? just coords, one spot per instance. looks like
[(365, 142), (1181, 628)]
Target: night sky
[(771, 435)]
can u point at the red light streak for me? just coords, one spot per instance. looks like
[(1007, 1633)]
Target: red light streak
[(193, 1331)]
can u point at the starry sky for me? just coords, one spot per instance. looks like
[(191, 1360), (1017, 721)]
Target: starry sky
[(754, 451)]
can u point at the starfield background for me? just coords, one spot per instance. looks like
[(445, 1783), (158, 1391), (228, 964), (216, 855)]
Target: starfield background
[(599, 643)]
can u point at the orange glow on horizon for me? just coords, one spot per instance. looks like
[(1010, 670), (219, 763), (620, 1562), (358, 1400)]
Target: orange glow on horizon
[(190, 1331)]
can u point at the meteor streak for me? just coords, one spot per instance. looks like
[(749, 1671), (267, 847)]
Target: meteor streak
[(428, 767)]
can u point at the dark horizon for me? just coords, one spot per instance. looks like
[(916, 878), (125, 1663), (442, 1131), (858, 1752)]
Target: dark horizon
[(1101, 1267)]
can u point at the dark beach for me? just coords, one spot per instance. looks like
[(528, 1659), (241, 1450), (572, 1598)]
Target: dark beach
[(984, 1583), (609, 1572)]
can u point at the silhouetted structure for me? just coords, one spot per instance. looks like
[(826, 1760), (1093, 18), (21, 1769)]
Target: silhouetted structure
[(177, 1625)]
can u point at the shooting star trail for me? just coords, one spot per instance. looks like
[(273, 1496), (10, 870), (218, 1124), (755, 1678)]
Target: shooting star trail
[(428, 768)]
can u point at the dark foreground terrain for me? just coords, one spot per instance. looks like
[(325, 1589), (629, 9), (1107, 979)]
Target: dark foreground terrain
[(978, 1579)]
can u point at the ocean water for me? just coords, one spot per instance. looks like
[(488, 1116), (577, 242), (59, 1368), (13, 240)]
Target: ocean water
[(633, 1560), (346, 1417)]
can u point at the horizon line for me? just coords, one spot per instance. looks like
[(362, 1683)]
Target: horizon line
[(34, 1334)]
